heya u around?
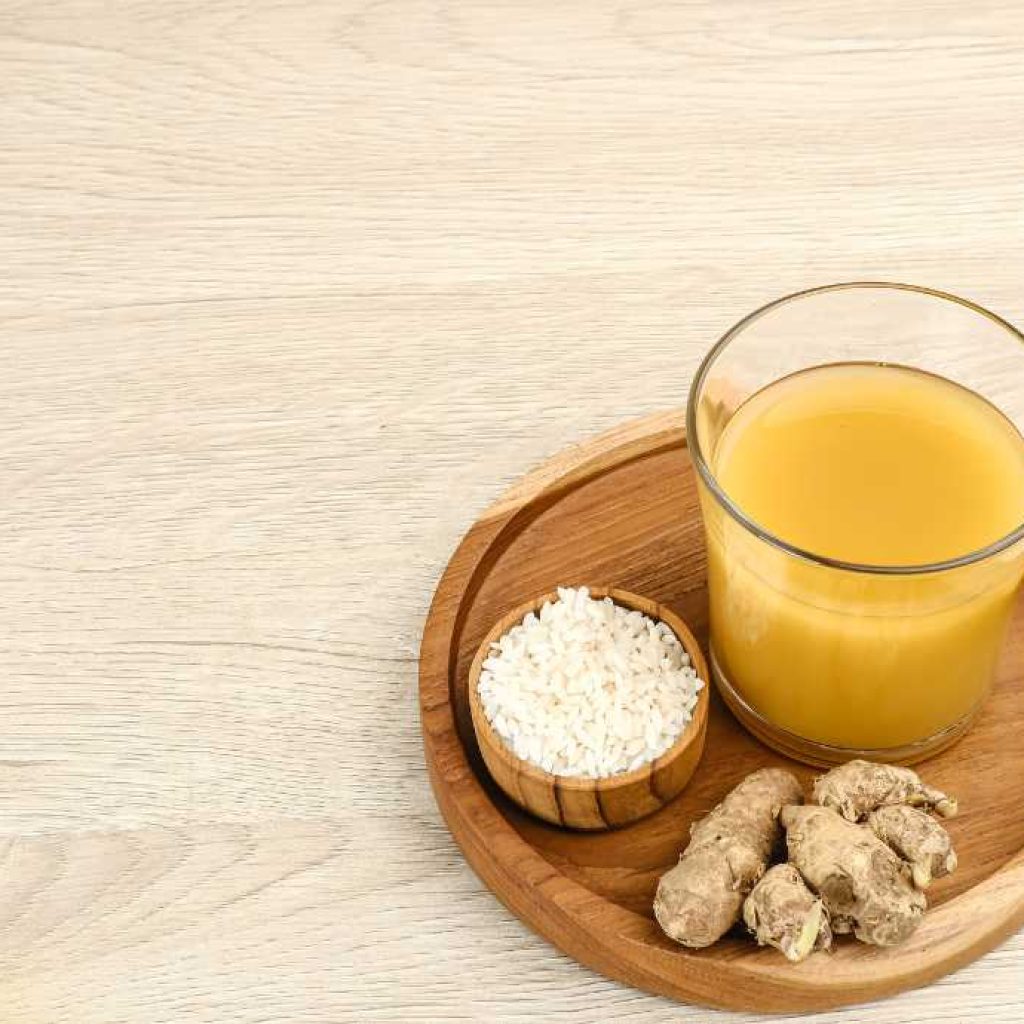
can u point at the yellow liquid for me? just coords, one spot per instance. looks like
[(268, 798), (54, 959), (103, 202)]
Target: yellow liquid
[(883, 466)]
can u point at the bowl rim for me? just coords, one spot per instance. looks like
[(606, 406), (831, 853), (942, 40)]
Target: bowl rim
[(582, 783)]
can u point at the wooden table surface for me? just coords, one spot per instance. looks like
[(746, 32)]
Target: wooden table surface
[(290, 291)]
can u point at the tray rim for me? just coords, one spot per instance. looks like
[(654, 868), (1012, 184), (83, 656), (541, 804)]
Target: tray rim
[(557, 907)]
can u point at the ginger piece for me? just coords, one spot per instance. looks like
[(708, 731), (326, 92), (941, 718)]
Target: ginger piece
[(918, 839), (863, 883), (701, 898), (857, 788), (782, 912)]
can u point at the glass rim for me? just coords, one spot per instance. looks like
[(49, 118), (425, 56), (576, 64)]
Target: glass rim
[(708, 477)]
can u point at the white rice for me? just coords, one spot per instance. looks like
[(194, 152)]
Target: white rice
[(588, 688)]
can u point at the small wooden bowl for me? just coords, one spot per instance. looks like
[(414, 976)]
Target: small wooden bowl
[(593, 804)]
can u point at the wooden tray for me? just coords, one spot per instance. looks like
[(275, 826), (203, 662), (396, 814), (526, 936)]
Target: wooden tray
[(622, 510)]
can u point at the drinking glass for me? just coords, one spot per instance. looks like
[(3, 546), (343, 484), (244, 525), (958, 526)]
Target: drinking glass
[(823, 659)]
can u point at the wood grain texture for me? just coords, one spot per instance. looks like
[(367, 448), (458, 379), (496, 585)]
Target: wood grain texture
[(291, 290), (628, 512)]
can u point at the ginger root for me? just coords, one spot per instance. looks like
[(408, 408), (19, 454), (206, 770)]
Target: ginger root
[(782, 912), (859, 857), (701, 898), (857, 788), (918, 839), (865, 886)]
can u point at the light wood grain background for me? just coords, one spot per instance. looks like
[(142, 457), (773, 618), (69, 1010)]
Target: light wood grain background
[(290, 290)]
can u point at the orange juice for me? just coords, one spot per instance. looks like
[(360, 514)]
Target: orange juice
[(883, 466)]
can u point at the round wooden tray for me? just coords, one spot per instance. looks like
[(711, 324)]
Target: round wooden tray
[(623, 510)]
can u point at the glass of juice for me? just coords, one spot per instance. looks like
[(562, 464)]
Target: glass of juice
[(861, 464)]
